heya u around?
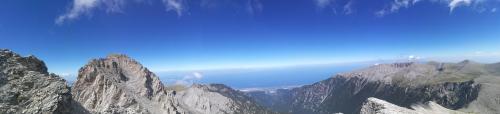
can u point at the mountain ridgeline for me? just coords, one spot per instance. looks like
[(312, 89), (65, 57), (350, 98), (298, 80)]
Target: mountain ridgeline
[(27, 87), (466, 86), (118, 84)]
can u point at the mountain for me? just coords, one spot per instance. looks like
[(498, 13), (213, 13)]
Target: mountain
[(119, 84), (26, 86), (465, 86), (378, 106), (218, 99)]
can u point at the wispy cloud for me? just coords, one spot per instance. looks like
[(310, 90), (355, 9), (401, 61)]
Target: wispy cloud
[(323, 3), (190, 78), (348, 8), (79, 7), (395, 6), (178, 6), (85, 7), (254, 6), (479, 5), (455, 3)]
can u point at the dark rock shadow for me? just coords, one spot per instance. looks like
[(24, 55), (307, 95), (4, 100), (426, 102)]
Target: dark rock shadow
[(77, 108)]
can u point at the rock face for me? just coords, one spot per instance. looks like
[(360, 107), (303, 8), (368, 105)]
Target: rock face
[(26, 87), (463, 86), (218, 99), (378, 106), (119, 84)]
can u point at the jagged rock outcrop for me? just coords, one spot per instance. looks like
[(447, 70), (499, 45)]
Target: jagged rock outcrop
[(378, 106), (459, 86), (218, 99), (26, 87), (119, 84)]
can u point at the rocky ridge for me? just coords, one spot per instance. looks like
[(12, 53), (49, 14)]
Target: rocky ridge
[(218, 99), (26, 87), (119, 84), (462, 86)]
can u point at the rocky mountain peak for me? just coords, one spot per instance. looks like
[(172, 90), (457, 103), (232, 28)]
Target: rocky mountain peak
[(27, 87), (120, 84), (13, 61)]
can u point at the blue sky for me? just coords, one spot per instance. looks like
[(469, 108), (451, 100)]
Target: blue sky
[(167, 35)]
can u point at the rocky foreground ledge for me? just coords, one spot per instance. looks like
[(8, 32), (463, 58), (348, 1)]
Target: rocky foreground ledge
[(26, 87)]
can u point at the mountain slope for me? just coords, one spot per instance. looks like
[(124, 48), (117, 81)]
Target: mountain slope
[(119, 84), (378, 106), (465, 86), (218, 99), (27, 87)]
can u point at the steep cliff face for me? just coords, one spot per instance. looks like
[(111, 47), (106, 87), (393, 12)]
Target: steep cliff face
[(218, 99), (454, 86), (119, 84), (26, 87)]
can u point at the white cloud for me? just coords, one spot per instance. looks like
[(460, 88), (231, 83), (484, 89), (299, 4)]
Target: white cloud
[(477, 5), (190, 78), (177, 6), (323, 3), (85, 7), (197, 75), (413, 58), (78, 8), (348, 8), (254, 6), (395, 6), (455, 3)]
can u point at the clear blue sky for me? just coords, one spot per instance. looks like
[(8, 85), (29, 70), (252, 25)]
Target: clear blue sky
[(203, 34)]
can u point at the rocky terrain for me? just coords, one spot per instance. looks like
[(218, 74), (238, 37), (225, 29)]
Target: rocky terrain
[(218, 99), (119, 84), (378, 106), (26, 87), (466, 86), (116, 84)]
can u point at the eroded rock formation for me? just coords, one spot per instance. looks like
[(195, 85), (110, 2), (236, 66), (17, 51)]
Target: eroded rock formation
[(26, 87)]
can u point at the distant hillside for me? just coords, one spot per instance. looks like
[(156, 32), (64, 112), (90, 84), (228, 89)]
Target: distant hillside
[(465, 86)]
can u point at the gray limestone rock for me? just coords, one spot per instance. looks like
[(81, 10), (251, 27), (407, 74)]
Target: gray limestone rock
[(26, 87)]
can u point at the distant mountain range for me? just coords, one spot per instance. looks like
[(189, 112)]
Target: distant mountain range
[(118, 84), (466, 86)]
